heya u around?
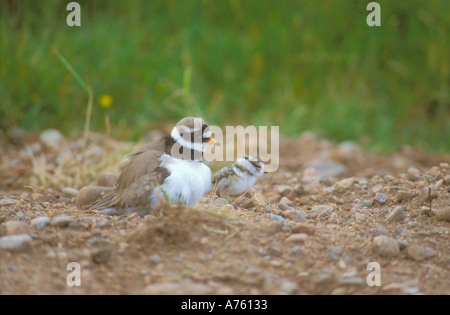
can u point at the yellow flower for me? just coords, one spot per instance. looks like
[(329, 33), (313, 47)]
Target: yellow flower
[(105, 100)]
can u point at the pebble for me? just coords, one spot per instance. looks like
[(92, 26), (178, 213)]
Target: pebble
[(275, 217), (101, 255), (304, 228), (40, 223), (284, 207), (426, 194), (185, 287), (403, 195), (156, 259), (61, 221), (367, 203), (444, 214), (413, 174), (385, 246), (89, 194), (360, 217), (380, 197), (379, 230), (322, 211), (273, 227), (297, 238), (103, 223), (107, 179), (420, 253), (284, 190), (396, 215), (16, 243), (412, 224), (286, 201), (336, 250), (345, 184), (8, 202), (298, 216), (51, 138), (297, 251), (14, 228), (288, 287)]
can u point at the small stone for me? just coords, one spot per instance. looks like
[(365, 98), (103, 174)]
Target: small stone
[(8, 202), (61, 221), (288, 287), (273, 227), (403, 195), (185, 287), (89, 194), (336, 250), (297, 251), (304, 228), (420, 253), (40, 223), (396, 215), (156, 259), (426, 194), (107, 179), (447, 180), (385, 246), (367, 203), (379, 230), (345, 184), (14, 228), (286, 201), (444, 214), (275, 217), (360, 217), (103, 223), (284, 190), (284, 207), (295, 215), (412, 224), (413, 174), (352, 281), (36, 196), (101, 255), (380, 197), (16, 243), (51, 139), (244, 202), (297, 238), (69, 192), (322, 211)]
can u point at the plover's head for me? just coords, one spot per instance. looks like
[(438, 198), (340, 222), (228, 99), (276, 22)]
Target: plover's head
[(191, 135), (252, 164)]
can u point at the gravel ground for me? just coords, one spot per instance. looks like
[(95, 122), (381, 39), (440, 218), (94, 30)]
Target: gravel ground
[(312, 227)]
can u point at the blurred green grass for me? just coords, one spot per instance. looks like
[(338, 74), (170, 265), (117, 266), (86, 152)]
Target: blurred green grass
[(302, 65)]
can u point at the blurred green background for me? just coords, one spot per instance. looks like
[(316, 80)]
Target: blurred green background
[(302, 65)]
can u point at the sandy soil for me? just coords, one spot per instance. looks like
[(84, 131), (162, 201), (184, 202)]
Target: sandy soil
[(310, 228)]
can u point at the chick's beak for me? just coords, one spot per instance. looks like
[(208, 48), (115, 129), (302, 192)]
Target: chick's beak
[(213, 141)]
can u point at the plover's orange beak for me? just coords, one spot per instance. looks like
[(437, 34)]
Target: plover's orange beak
[(213, 141)]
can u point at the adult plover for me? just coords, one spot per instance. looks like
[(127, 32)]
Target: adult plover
[(238, 177), (171, 166)]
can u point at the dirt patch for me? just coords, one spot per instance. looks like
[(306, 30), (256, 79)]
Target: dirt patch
[(299, 231)]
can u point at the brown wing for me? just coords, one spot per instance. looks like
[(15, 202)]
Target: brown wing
[(140, 174)]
